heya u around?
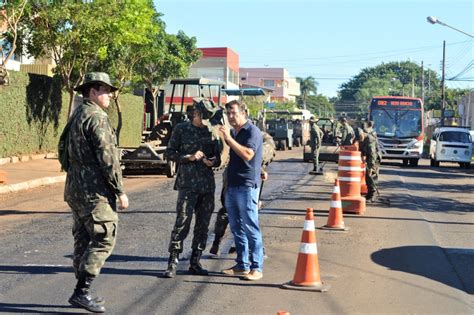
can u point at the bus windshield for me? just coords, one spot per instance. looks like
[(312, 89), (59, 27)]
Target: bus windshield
[(397, 123)]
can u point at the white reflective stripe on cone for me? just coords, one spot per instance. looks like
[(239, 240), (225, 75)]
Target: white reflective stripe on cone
[(350, 158), (350, 168), (349, 179), (336, 204), (309, 225), (336, 190), (308, 248)]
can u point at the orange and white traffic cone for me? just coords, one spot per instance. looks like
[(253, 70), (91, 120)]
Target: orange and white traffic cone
[(335, 218), (307, 276), (3, 177)]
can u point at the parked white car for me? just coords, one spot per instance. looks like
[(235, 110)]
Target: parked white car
[(451, 144)]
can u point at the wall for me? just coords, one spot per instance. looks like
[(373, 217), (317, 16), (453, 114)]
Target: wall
[(33, 113)]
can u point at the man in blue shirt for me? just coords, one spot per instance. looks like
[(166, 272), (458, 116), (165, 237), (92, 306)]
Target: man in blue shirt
[(241, 199)]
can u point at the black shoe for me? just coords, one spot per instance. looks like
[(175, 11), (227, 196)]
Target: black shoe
[(214, 250), (172, 265), (195, 266), (198, 270), (84, 300)]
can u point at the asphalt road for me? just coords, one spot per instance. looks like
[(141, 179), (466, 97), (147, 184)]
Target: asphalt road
[(412, 256)]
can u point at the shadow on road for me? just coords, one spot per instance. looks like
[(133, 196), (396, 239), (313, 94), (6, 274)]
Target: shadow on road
[(433, 262), (49, 270), (33, 308)]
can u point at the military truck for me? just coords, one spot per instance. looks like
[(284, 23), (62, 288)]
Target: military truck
[(150, 155), (329, 149)]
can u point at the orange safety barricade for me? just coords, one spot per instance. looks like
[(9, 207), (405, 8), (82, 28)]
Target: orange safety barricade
[(349, 175)]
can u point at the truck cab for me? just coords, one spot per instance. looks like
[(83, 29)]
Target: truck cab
[(451, 144)]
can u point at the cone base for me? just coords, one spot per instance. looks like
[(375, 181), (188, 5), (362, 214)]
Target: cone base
[(318, 287), (334, 228), (316, 173)]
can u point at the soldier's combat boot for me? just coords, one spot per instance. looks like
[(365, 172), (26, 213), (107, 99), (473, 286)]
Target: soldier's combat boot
[(195, 266), (214, 251), (172, 265), (82, 297)]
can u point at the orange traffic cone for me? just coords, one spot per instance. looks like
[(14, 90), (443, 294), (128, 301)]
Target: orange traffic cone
[(307, 276), (3, 177), (283, 313), (335, 219)]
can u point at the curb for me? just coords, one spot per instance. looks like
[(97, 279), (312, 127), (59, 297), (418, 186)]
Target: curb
[(45, 181)]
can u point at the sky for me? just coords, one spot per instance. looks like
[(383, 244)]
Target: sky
[(331, 40)]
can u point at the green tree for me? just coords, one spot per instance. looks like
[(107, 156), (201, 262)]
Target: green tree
[(74, 34), (166, 56), (395, 78), (12, 13), (134, 22), (319, 105), (308, 86)]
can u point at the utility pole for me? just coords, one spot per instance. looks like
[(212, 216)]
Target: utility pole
[(443, 96), (422, 83)]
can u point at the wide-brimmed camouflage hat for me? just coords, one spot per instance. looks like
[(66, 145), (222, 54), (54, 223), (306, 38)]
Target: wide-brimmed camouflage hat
[(94, 78), (205, 106)]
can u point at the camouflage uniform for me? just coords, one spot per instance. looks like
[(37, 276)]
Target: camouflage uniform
[(93, 181), (195, 183), (316, 136), (370, 150), (345, 134)]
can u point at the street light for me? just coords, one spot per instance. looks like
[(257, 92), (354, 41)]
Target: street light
[(434, 20)]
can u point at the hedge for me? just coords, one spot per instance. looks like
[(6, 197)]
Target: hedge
[(33, 112)]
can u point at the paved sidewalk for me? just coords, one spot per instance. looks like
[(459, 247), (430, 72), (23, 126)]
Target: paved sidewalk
[(30, 174)]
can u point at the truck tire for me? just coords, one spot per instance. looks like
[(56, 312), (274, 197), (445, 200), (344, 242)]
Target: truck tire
[(413, 162), (170, 169), (283, 145)]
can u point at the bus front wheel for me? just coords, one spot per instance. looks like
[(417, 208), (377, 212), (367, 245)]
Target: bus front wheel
[(413, 162)]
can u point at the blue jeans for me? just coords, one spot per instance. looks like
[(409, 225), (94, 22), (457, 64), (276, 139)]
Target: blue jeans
[(241, 203)]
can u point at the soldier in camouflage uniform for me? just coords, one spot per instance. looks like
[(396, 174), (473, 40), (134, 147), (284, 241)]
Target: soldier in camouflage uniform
[(88, 152), (345, 135), (316, 136), (196, 151), (371, 152)]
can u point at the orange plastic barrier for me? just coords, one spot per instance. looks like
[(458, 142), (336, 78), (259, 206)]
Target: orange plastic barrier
[(3, 177), (349, 175), (335, 218), (307, 276)]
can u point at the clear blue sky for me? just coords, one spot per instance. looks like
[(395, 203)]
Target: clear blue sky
[(331, 40)]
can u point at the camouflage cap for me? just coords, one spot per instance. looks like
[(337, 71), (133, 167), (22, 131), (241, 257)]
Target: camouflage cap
[(205, 106), (94, 78)]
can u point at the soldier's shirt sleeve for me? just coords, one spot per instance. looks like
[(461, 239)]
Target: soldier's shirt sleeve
[(173, 151), (104, 145)]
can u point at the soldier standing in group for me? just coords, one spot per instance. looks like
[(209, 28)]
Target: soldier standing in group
[(371, 152), (88, 153), (195, 150), (345, 133), (316, 137)]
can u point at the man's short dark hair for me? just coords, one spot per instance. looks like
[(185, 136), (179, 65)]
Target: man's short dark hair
[(241, 106), (370, 124)]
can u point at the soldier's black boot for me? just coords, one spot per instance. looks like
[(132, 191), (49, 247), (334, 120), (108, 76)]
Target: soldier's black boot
[(195, 266), (172, 265), (82, 298), (215, 247)]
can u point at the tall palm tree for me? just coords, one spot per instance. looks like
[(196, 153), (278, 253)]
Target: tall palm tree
[(307, 86)]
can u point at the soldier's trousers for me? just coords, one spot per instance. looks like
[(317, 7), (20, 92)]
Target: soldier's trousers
[(372, 180), (94, 230), (315, 157), (188, 203)]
